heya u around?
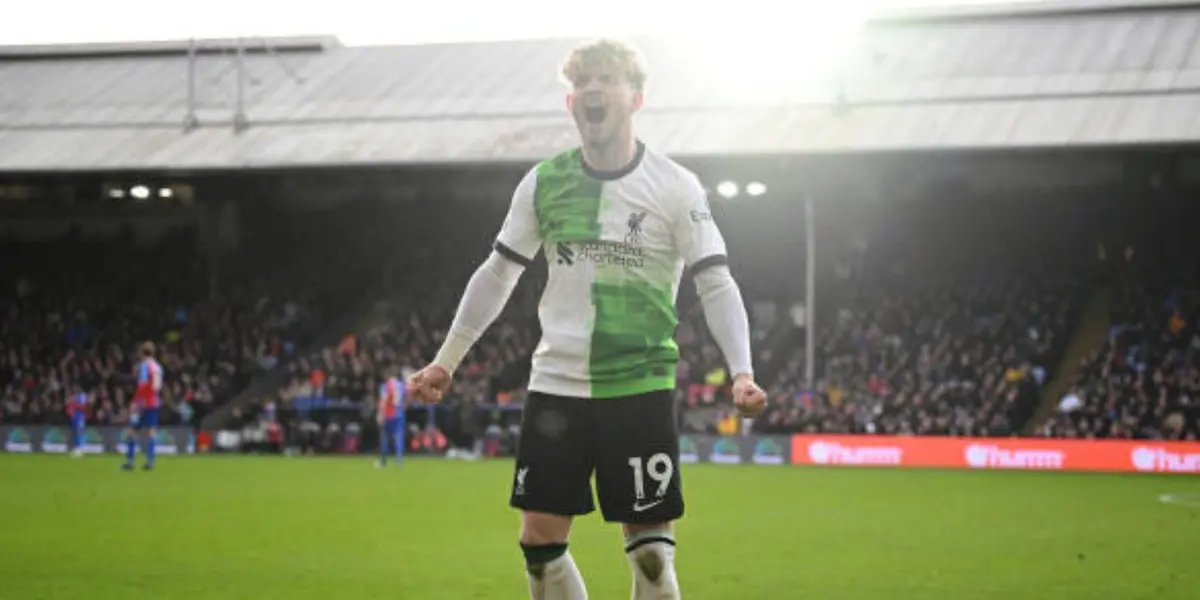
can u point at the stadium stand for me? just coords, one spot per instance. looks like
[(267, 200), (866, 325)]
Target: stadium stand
[(936, 317), (1143, 381), (76, 308), (946, 318), (944, 324)]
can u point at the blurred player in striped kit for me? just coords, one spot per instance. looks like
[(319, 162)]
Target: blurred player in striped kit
[(143, 409), (391, 418)]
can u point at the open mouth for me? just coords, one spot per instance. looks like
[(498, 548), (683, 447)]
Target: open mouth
[(595, 114)]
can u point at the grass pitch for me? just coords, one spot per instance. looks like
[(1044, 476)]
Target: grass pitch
[(258, 528)]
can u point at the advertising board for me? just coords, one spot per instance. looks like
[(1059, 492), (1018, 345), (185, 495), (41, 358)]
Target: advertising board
[(1045, 454)]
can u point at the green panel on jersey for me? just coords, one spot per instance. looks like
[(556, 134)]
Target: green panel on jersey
[(633, 348), (566, 200), (633, 339)]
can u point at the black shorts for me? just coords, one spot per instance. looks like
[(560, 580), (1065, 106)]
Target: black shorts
[(631, 443)]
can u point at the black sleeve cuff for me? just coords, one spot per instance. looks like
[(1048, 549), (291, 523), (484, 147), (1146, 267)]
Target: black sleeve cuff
[(512, 255), (708, 262)]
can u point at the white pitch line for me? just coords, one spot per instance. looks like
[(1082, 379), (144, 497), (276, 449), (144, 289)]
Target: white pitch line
[(1181, 498)]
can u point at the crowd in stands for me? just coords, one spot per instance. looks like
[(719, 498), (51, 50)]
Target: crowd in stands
[(73, 311), (1144, 380), (932, 319), (952, 331), (943, 333)]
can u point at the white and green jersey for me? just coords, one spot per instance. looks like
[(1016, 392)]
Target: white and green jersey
[(616, 245)]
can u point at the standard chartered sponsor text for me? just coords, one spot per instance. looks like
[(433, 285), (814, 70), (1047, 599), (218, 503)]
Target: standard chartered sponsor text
[(612, 253)]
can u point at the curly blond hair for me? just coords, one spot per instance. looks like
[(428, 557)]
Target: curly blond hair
[(606, 54)]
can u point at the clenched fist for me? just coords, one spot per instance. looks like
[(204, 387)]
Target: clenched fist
[(749, 399), (428, 385)]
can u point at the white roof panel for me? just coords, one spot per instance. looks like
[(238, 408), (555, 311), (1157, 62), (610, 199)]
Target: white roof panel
[(1001, 124), (1062, 76)]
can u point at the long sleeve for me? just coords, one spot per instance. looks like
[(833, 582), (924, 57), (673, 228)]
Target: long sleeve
[(702, 248), (483, 300), (725, 314), (492, 284)]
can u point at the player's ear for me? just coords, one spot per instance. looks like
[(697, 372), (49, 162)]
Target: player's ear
[(570, 101), (639, 98)]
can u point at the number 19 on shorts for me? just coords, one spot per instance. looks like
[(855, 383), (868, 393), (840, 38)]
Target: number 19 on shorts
[(657, 468)]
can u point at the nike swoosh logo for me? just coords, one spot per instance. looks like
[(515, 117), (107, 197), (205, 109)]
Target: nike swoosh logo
[(644, 507)]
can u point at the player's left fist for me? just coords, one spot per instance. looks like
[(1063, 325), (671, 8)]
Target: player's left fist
[(749, 399)]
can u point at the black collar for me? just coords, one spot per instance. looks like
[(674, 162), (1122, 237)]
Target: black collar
[(619, 173)]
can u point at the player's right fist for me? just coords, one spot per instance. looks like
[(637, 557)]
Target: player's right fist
[(429, 384)]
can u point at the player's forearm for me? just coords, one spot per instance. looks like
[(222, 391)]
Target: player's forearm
[(483, 300), (726, 316)]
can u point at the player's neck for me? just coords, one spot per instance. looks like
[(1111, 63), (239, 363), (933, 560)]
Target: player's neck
[(612, 157)]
